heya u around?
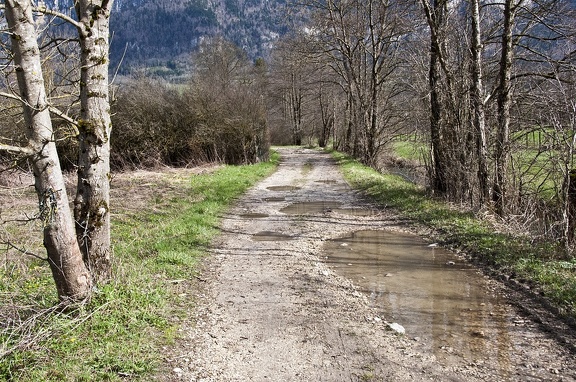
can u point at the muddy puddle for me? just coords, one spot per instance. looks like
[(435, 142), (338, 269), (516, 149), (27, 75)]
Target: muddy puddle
[(305, 208), (283, 188), (254, 215), (271, 236), (443, 303), (356, 211), (274, 199)]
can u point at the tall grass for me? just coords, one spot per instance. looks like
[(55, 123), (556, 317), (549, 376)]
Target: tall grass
[(120, 334)]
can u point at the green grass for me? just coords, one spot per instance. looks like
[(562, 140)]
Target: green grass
[(538, 172), (539, 263), (120, 334), (409, 149)]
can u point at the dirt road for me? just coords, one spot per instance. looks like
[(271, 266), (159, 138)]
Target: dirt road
[(269, 309)]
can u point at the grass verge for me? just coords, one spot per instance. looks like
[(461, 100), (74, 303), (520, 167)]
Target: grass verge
[(121, 333), (536, 264)]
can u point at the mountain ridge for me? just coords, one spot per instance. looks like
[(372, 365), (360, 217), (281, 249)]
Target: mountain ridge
[(149, 33)]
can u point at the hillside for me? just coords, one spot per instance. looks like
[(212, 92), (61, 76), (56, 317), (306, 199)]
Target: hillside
[(162, 33)]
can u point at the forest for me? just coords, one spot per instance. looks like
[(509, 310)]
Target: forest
[(481, 93)]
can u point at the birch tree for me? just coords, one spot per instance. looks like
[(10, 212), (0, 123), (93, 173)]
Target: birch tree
[(73, 281), (477, 89), (78, 248), (92, 203)]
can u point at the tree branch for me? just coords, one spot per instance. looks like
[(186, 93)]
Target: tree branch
[(16, 149), (53, 109), (47, 11), (24, 251)]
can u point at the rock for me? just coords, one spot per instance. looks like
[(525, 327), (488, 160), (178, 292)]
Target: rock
[(478, 333), (397, 328), (177, 370)]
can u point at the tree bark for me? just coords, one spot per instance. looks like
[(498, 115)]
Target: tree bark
[(478, 105), (92, 203), (439, 180), (502, 144), (73, 281)]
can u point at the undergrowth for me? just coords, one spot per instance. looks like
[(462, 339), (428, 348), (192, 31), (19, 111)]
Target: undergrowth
[(536, 263), (121, 333)]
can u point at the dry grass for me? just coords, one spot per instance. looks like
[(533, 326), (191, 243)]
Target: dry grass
[(130, 193)]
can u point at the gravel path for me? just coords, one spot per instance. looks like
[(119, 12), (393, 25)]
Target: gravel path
[(271, 310)]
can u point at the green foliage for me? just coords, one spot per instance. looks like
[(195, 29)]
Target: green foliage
[(540, 263), (121, 332)]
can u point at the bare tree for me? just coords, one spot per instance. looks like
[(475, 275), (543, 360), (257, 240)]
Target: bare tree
[(291, 87), (92, 203), (448, 80), (477, 90), (227, 95), (83, 259), (361, 43), (502, 143), (73, 281)]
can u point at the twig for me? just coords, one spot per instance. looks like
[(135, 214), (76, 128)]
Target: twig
[(24, 251)]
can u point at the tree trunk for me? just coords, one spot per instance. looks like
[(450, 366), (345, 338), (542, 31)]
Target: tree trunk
[(73, 281), (92, 203), (570, 208), (439, 181), (296, 111), (478, 105), (327, 117), (502, 144)]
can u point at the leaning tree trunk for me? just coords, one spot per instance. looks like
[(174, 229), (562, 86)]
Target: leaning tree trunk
[(72, 278), (92, 203)]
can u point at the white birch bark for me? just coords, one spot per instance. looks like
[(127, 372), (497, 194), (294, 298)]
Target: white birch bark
[(92, 203), (72, 278)]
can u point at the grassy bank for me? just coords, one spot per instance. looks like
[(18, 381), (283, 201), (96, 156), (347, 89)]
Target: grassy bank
[(536, 264), (158, 239)]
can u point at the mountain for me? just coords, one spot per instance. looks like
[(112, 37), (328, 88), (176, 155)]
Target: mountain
[(163, 33)]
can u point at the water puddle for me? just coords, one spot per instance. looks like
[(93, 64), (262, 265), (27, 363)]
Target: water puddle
[(254, 215), (283, 188), (274, 199), (304, 208), (271, 236), (441, 301)]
